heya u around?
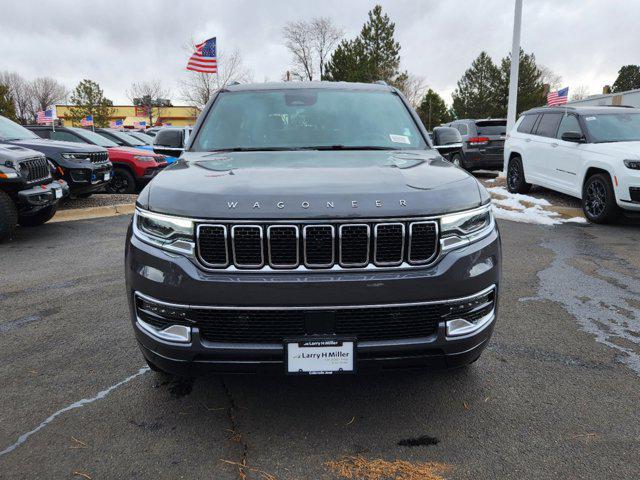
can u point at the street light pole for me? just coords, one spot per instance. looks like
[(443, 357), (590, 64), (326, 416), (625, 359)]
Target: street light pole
[(515, 66)]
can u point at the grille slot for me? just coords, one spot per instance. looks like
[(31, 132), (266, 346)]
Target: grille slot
[(319, 246), (98, 157), (37, 169), (212, 245), (283, 246), (247, 246), (354, 245), (423, 242), (269, 325), (389, 244)]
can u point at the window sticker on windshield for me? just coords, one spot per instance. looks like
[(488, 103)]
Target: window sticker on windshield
[(399, 139), (588, 119)]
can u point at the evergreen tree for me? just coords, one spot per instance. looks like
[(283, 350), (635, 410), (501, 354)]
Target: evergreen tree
[(477, 92), (433, 111), (373, 55), (7, 105), (530, 85), (88, 99), (628, 79)]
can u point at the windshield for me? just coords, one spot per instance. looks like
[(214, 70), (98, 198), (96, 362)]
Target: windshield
[(125, 137), (12, 131), (309, 118), (147, 139), (93, 137), (613, 127)]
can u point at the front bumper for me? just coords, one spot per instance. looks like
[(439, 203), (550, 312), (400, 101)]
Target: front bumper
[(88, 178), (174, 279), (42, 195)]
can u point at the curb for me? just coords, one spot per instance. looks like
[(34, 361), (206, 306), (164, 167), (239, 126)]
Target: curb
[(93, 212)]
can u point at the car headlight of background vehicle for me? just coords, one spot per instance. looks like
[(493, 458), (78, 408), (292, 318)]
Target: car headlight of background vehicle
[(632, 164), (145, 158), (75, 156), (170, 233), (463, 228)]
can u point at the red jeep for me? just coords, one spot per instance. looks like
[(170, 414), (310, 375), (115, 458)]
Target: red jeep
[(132, 167)]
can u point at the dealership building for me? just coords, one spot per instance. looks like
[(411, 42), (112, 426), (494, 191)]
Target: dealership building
[(178, 116), (630, 98)]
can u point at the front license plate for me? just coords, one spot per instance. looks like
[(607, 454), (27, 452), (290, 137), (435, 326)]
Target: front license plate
[(58, 192), (320, 357), (107, 176)]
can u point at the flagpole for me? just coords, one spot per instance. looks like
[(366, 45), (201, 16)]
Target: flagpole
[(513, 75)]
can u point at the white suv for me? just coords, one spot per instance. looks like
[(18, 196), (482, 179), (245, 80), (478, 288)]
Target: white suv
[(592, 153)]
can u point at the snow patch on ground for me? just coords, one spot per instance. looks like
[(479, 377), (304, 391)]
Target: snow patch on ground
[(519, 197)]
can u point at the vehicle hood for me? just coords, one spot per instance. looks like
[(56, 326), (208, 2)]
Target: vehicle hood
[(44, 145), (311, 184), (16, 153), (629, 150), (129, 151)]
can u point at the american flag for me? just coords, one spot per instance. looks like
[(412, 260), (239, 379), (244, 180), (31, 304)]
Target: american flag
[(115, 124), (204, 58), (558, 97), (45, 116), (139, 124), (87, 121)]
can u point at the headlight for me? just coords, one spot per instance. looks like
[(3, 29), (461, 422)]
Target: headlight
[(75, 156), (460, 229), (144, 158), (632, 164), (165, 231)]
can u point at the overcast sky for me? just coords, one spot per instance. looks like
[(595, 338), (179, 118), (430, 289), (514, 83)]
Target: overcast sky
[(116, 42)]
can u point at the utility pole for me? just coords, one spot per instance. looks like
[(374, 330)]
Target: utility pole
[(513, 75)]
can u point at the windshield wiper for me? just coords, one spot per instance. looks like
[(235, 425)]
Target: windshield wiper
[(347, 147)]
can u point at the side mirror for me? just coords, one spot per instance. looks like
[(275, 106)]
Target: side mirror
[(447, 140), (169, 142), (575, 137)]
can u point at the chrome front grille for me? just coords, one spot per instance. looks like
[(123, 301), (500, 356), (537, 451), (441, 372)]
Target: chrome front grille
[(279, 246), (37, 168), (98, 157)]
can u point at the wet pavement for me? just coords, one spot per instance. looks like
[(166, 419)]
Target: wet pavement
[(555, 395)]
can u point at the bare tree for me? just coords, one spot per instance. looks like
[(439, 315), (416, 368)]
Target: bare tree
[(151, 97), (310, 43), (324, 38), (413, 87), (198, 88), (549, 77), (20, 92), (44, 92), (299, 41), (580, 92)]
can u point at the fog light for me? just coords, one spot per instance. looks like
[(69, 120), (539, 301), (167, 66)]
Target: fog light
[(173, 333), (458, 327)]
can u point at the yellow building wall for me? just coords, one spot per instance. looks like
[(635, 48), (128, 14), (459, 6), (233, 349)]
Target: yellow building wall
[(178, 116)]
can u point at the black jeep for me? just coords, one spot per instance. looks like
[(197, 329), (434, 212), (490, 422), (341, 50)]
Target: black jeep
[(28, 194)]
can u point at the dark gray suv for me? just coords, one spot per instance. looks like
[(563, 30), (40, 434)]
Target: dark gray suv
[(311, 228), (482, 143)]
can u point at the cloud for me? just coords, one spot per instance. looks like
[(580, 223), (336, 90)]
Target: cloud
[(117, 43)]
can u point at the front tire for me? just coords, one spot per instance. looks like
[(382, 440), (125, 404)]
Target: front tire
[(8, 216), (122, 182), (515, 177), (41, 216), (599, 200)]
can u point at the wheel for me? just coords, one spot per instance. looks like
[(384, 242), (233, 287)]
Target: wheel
[(85, 195), (515, 177), (41, 216), (8, 216), (599, 200), (122, 182), (456, 159)]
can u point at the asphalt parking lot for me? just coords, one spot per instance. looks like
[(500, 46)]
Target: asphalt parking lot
[(554, 396)]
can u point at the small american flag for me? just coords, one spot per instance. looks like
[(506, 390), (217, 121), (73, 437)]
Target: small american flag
[(558, 97), (115, 124), (87, 121), (204, 58), (139, 124), (45, 116)]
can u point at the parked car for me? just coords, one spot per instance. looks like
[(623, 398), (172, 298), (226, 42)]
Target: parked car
[(482, 143), (29, 195), (143, 137), (132, 168), (124, 139), (311, 228), (592, 153), (86, 168)]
